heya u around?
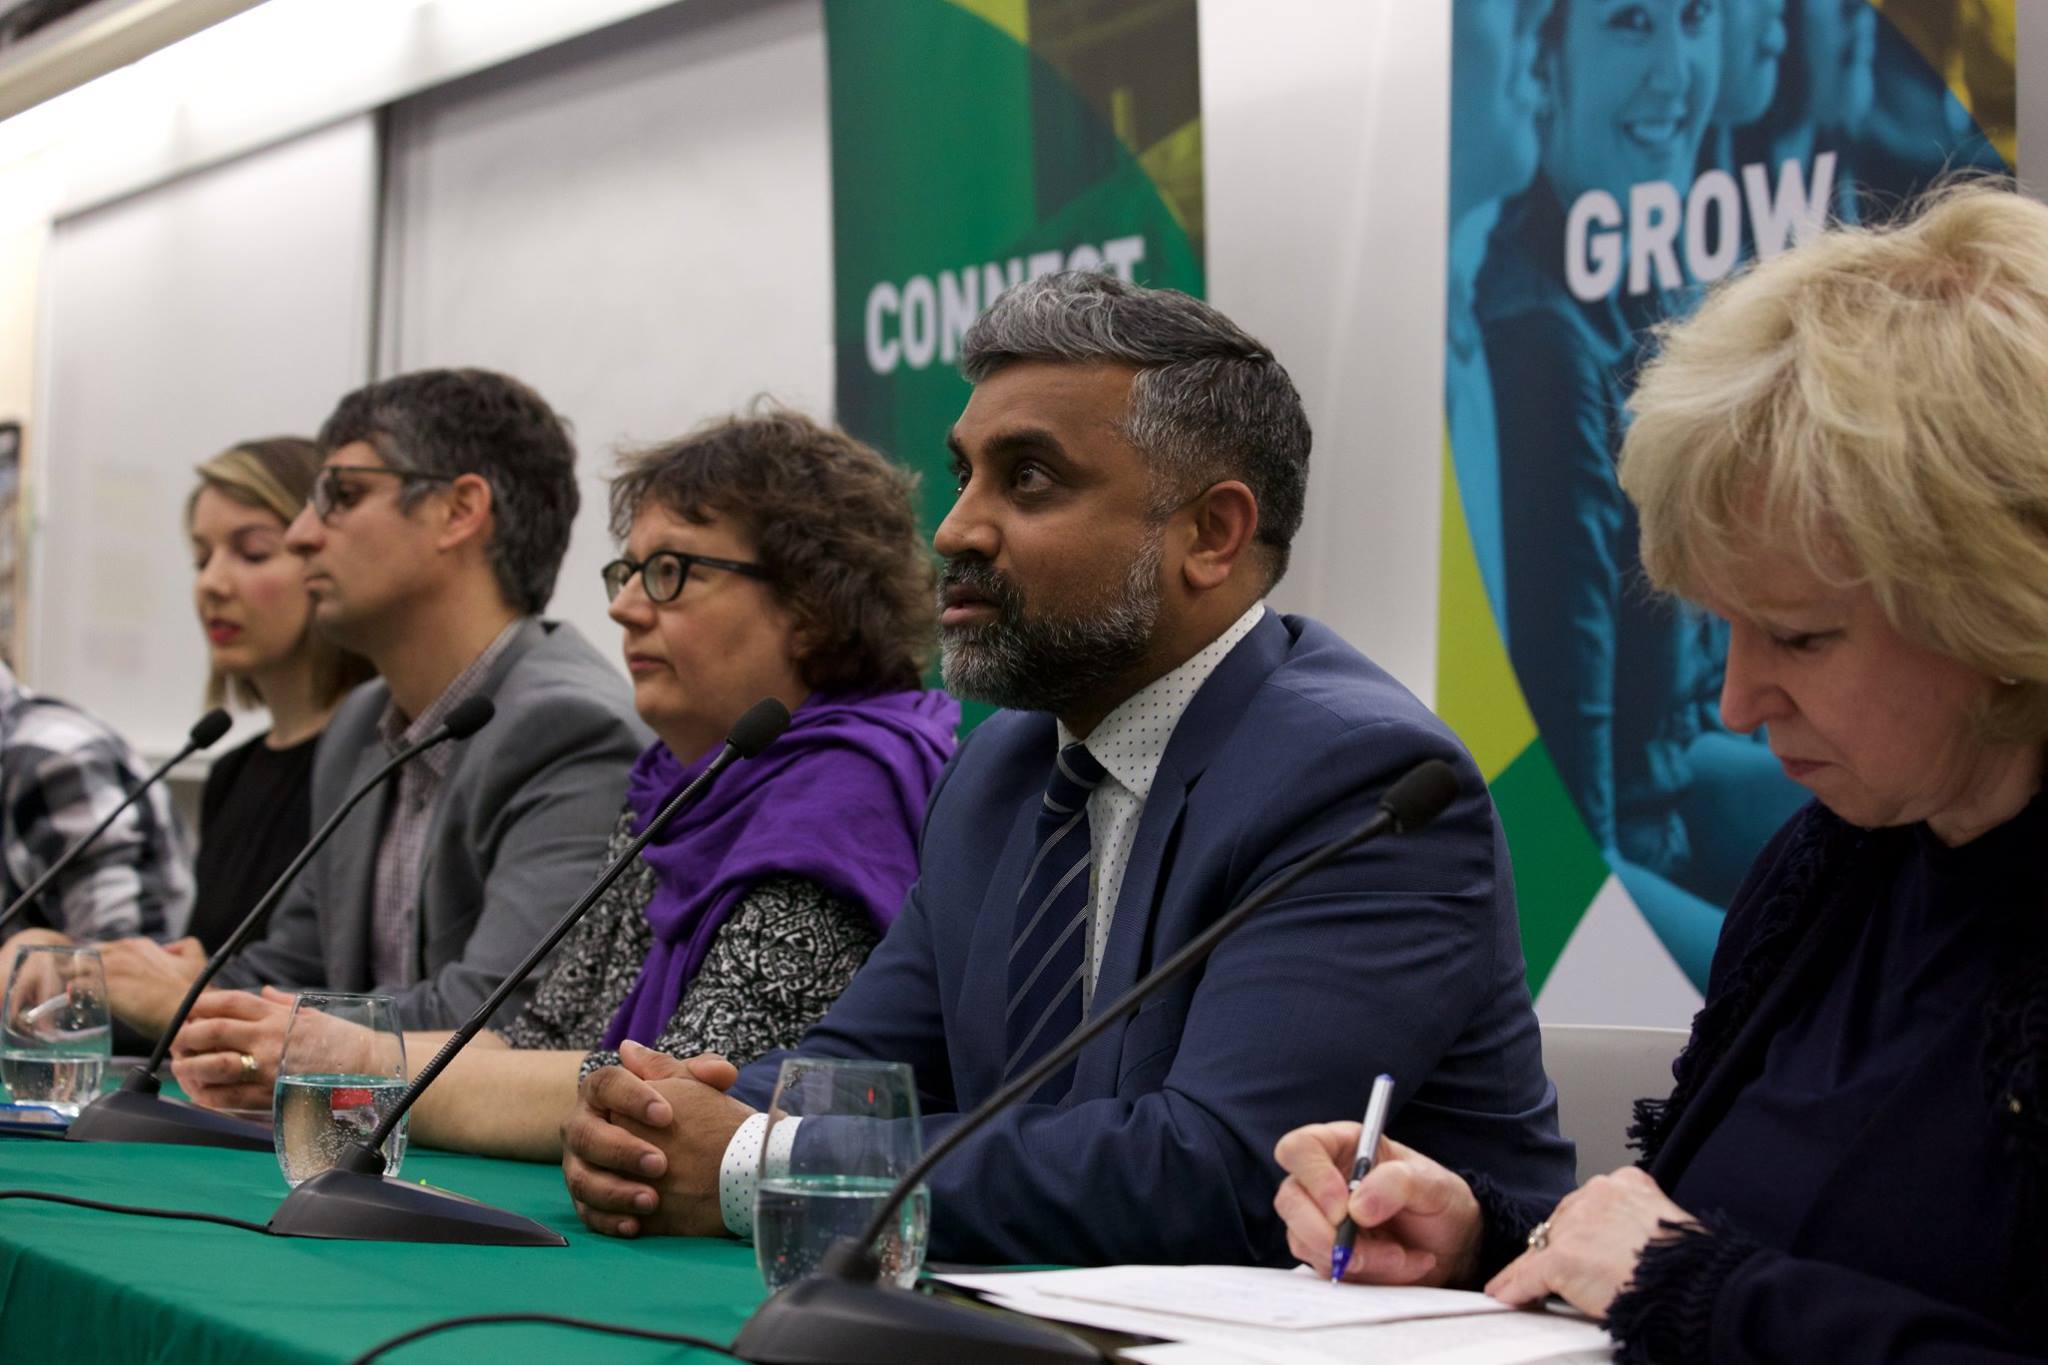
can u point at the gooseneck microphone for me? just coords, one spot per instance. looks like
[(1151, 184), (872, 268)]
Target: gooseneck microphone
[(841, 1315), (137, 1112), (353, 1201), (204, 734)]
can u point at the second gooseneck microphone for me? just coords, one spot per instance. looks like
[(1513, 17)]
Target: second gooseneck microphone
[(135, 1113), (354, 1201), (763, 722)]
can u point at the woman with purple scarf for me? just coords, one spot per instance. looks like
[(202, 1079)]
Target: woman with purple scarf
[(763, 555)]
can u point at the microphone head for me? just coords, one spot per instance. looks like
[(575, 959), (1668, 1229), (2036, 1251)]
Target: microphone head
[(207, 730), (469, 716), (1421, 794), (763, 723)]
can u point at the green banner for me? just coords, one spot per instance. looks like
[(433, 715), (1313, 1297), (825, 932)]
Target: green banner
[(977, 143)]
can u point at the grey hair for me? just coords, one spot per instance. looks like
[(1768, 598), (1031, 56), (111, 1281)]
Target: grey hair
[(1209, 401)]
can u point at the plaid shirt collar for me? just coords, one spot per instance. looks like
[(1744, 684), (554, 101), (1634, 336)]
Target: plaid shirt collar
[(397, 732), (65, 772)]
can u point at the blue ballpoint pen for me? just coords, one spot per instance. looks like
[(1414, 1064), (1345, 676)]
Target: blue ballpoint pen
[(1368, 1147)]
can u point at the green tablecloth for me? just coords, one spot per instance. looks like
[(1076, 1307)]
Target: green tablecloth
[(82, 1285)]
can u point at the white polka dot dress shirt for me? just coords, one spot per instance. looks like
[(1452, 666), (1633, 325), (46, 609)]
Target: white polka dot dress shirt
[(1128, 744)]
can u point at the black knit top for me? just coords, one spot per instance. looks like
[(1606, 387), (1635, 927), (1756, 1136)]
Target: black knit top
[(1860, 1120)]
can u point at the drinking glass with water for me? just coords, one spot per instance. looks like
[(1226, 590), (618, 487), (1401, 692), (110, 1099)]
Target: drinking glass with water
[(342, 1070), (840, 1134), (54, 1032)]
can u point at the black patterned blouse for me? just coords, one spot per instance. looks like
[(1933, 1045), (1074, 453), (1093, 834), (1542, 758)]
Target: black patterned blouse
[(783, 956)]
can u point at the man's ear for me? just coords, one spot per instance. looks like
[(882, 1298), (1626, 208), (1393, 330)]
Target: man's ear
[(1223, 521), (469, 506)]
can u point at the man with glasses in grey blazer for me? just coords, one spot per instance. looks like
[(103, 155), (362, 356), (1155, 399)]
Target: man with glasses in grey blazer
[(430, 546)]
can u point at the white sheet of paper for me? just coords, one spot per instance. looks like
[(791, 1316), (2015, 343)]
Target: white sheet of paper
[(1135, 1321), (1245, 1295), (1513, 1339), (1187, 1353)]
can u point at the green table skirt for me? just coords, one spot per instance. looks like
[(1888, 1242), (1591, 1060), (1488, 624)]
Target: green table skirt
[(82, 1285)]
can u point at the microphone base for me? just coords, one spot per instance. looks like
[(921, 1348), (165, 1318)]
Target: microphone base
[(135, 1116), (343, 1205), (825, 1320)]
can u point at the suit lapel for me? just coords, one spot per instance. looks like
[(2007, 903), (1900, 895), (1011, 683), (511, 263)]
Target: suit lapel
[(984, 1042), (1210, 718), (1137, 906)]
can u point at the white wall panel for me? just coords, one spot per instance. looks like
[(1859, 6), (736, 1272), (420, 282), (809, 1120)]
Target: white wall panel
[(230, 304), (2033, 97), (280, 69), (637, 223), (1325, 131)]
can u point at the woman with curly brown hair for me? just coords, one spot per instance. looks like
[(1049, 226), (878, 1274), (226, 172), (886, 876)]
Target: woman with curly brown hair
[(763, 555)]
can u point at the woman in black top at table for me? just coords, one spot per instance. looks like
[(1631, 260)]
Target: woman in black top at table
[(1845, 454), (252, 604)]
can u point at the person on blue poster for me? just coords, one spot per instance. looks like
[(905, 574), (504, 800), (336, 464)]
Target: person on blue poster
[(1673, 139), (1494, 90)]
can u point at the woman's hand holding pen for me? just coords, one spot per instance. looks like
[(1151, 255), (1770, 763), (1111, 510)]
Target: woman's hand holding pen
[(1417, 1222)]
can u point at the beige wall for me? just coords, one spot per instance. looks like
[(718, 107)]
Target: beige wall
[(22, 239), (25, 213)]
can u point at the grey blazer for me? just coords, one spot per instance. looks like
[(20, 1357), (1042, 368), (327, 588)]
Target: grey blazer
[(525, 811)]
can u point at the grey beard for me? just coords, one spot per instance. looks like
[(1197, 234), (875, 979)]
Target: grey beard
[(1051, 663)]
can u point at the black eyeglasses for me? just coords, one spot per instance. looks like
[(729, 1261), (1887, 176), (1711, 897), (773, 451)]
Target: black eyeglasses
[(663, 573), (331, 494)]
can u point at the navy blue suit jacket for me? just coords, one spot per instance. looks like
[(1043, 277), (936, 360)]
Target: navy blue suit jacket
[(1403, 956)]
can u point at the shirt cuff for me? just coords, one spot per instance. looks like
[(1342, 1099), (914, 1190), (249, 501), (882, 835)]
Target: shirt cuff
[(739, 1171)]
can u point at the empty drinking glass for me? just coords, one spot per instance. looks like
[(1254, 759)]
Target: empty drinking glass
[(342, 1070), (840, 1135), (54, 1034)]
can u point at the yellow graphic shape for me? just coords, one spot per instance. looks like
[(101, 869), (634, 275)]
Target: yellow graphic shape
[(1974, 44), (1011, 16), (1174, 164), (1476, 691)]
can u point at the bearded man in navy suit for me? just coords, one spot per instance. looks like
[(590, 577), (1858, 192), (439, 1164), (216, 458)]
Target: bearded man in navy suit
[(1131, 469)]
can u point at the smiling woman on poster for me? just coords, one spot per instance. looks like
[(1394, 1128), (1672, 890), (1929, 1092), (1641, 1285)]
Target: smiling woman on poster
[(1621, 686), (1494, 99), (1752, 41)]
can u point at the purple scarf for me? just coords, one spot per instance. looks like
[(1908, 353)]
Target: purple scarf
[(837, 800)]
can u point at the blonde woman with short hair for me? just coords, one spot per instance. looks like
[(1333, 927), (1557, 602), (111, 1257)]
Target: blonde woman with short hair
[(1845, 455)]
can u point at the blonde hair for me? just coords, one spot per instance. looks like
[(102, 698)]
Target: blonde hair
[(1874, 404), (275, 475)]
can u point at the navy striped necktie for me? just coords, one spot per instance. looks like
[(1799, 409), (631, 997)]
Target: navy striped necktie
[(1048, 950)]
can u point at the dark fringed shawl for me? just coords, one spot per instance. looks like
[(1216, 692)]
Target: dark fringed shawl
[(1810, 883), (1825, 866)]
